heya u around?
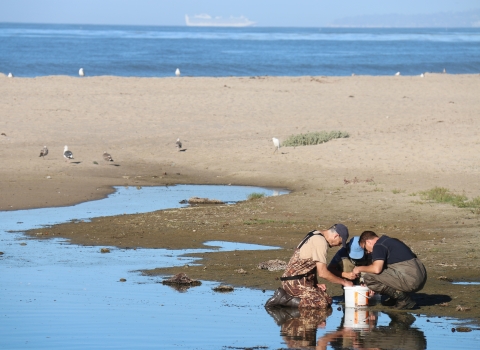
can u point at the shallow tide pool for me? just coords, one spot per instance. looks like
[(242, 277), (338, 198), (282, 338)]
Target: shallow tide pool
[(55, 295)]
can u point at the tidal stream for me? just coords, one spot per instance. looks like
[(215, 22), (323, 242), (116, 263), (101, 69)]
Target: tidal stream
[(56, 295)]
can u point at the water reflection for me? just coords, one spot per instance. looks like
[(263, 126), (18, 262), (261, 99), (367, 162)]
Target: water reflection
[(358, 329)]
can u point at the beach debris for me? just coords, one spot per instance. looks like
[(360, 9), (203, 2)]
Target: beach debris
[(67, 154), (178, 144), (463, 329), (444, 278), (107, 157), (43, 152), (355, 180), (442, 240), (10, 75), (223, 288), (123, 280), (181, 279), (81, 72), (104, 250), (462, 308), (276, 143), (3, 134), (95, 162), (241, 271), (444, 304), (23, 243), (177, 72), (198, 200), (447, 265), (272, 265)]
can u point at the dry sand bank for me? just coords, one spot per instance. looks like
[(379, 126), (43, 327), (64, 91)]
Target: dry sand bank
[(407, 134)]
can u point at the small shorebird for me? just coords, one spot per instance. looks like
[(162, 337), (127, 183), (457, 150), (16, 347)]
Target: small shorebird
[(43, 152), (178, 144), (107, 157), (177, 72), (276, 143), (81, 72), (67, 154), (10, 75), (397, 74)]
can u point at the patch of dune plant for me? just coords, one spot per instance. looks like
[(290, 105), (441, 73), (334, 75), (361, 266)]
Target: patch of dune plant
[(313, 138), (255, 195), (444, 195)]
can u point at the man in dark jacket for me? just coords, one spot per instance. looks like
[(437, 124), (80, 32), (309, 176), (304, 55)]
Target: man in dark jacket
[(395, 270)]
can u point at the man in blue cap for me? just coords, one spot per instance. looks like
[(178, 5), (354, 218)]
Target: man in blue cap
[(395, 270), (300, 287), (347, 258)]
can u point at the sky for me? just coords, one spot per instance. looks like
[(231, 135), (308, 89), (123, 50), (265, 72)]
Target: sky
[(265, 13)]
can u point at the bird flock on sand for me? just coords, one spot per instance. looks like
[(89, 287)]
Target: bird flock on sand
[(68, 154), (81, 72)]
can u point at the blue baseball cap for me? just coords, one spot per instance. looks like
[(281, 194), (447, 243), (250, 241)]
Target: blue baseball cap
[(355, 252)]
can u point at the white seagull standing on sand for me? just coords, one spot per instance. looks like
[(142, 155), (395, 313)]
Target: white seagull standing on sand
[(177, 72), (397, 74), (81, 72), (43, 152), (67, 154), (10, 75), (107, 157), (178, 144), (276, 143)]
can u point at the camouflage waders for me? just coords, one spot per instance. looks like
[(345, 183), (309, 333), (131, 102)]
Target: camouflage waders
[(305, 287)]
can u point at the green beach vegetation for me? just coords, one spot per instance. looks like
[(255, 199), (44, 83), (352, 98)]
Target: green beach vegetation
[(313, 138), (444, 195)]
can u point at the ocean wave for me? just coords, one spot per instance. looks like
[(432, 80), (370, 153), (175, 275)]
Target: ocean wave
[(251, 34)]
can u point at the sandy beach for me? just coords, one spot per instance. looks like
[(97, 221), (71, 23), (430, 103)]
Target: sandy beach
[(407, 134)]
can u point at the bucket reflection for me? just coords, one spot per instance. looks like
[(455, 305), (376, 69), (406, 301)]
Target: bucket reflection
[(358, 329)]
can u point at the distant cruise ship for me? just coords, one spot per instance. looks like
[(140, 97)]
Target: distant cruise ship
[(205, 20)]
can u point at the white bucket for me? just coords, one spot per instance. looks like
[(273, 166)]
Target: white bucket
[(356, 296), (356, 318)]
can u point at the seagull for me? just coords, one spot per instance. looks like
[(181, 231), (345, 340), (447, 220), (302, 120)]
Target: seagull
[(444, 71), (276, 143), (177, 72), (179, 144), (67, 154), (397, 74), (43, 152), (107, 157), (10, 75), (81, 72), (422, 75)]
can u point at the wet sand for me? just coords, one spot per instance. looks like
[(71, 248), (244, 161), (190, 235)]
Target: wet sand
[(407, 134)]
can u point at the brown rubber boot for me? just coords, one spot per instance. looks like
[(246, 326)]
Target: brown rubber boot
[(282, 298), (390, 292), (404, 302)]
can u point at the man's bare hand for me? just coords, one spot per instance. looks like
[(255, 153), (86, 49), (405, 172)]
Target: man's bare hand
[(349, 275), (322, 287)]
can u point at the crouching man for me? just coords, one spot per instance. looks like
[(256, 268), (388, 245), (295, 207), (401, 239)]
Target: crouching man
[(299, 281), (395, 270)]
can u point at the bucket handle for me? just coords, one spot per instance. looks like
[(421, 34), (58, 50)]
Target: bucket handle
[(363, 295)]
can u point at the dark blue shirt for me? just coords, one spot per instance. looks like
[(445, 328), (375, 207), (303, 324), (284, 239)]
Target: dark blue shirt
[(391, 251)]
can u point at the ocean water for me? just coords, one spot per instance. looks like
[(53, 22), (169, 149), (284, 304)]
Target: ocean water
[(32, 50)]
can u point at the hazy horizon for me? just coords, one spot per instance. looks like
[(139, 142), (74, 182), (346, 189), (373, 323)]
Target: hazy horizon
[(268, 13)]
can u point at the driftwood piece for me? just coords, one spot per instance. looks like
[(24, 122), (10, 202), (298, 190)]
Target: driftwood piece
[(223, 288), (181, 279), (198, 200), (272, 265)]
